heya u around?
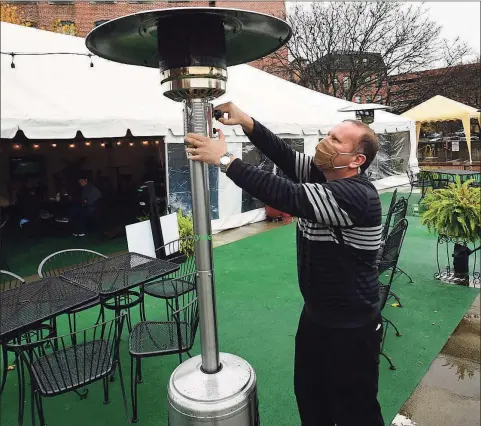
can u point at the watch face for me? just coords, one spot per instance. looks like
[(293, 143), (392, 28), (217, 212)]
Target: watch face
[(224, 160)]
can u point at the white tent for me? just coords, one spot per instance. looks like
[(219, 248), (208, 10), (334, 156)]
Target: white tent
[(56, 96)]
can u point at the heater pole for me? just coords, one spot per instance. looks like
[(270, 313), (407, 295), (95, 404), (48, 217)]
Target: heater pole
[(198, 119)]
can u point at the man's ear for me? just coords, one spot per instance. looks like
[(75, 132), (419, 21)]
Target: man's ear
[(358, 161)]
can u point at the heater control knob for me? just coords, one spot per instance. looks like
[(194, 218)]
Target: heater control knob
[(218, 114)]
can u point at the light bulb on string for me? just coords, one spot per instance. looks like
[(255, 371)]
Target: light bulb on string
[(72, 145), (119, 143), (145, 143), (36, 146), (54, 145), (17, 146), (102, 145), (87, 143), (131, 144)]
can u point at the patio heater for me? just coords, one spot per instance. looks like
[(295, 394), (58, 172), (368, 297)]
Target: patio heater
[(364, 112), (193, 47)]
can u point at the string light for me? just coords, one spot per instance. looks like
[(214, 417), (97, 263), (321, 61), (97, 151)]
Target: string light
[(35, 146), (156, 142), (131, 144), (145, 143), (102, 145), (17, 146), (72, 145), (87, 143), (54, 145), (13, 54), (119, 143)]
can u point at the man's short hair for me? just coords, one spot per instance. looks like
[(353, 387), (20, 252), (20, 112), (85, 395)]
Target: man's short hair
[(83, 177), (368, 145)]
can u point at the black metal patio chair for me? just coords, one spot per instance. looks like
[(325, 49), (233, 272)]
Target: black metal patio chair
[(398, 213), (71, 362), (59, 262), (384, 292), (10, 281), (179, 282), (388, 216), (176, 335), (421, 181)]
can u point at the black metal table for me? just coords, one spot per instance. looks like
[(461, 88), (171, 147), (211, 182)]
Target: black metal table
[(114, 275), (23, 307)]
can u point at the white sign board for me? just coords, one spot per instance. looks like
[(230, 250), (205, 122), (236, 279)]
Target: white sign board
[(455, 146), (140, 239)]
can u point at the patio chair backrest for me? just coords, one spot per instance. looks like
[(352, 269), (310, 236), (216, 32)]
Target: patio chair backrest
[(184, 310), (398, 212), (9, 280), (175, 252), (57, 263), (387, 222), (65, 363), (392, 247)]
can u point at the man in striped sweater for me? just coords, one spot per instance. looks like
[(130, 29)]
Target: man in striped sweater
[(338, 236)]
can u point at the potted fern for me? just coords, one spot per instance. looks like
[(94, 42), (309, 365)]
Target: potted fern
[(186, 229), (454, 214), (454, 211)]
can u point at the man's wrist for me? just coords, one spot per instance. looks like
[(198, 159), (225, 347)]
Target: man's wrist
[(247, 124), (232, 158)]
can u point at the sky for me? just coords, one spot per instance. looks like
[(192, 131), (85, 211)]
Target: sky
[(458, 19)]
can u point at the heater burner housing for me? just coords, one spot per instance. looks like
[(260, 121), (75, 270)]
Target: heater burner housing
[(192, 47)]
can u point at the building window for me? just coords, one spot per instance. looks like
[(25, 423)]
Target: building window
[(67, 27), (102, 21), (357, 99)]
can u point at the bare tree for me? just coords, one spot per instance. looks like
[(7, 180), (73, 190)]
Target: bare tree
[(346, 48)]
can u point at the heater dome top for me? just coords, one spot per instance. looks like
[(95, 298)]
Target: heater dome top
[(133, 39)]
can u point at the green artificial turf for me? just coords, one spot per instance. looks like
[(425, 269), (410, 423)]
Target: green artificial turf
[(258, 305)]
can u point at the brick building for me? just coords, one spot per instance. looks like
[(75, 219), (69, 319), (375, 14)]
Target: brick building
[(461, 83), (79, 17), (85, 15), (340, 73)]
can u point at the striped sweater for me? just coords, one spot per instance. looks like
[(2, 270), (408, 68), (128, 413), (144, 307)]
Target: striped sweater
[(338, 230)]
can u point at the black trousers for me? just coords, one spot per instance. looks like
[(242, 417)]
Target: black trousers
[(336, 374)]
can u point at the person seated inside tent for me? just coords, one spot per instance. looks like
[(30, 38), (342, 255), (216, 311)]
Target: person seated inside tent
[(87, 208)]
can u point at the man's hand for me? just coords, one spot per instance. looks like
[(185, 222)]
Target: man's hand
[(206, 149), (235, 116)]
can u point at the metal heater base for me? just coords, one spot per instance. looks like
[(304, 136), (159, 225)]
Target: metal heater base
[(225, 398)]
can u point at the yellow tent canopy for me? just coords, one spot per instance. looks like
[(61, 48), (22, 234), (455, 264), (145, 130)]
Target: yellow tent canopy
[(439, 108)]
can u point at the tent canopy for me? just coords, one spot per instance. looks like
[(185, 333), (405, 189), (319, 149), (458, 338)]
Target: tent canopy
[(439, 108), (55, 96)]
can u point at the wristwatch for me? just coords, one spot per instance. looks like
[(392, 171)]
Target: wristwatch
[(225, 161)]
